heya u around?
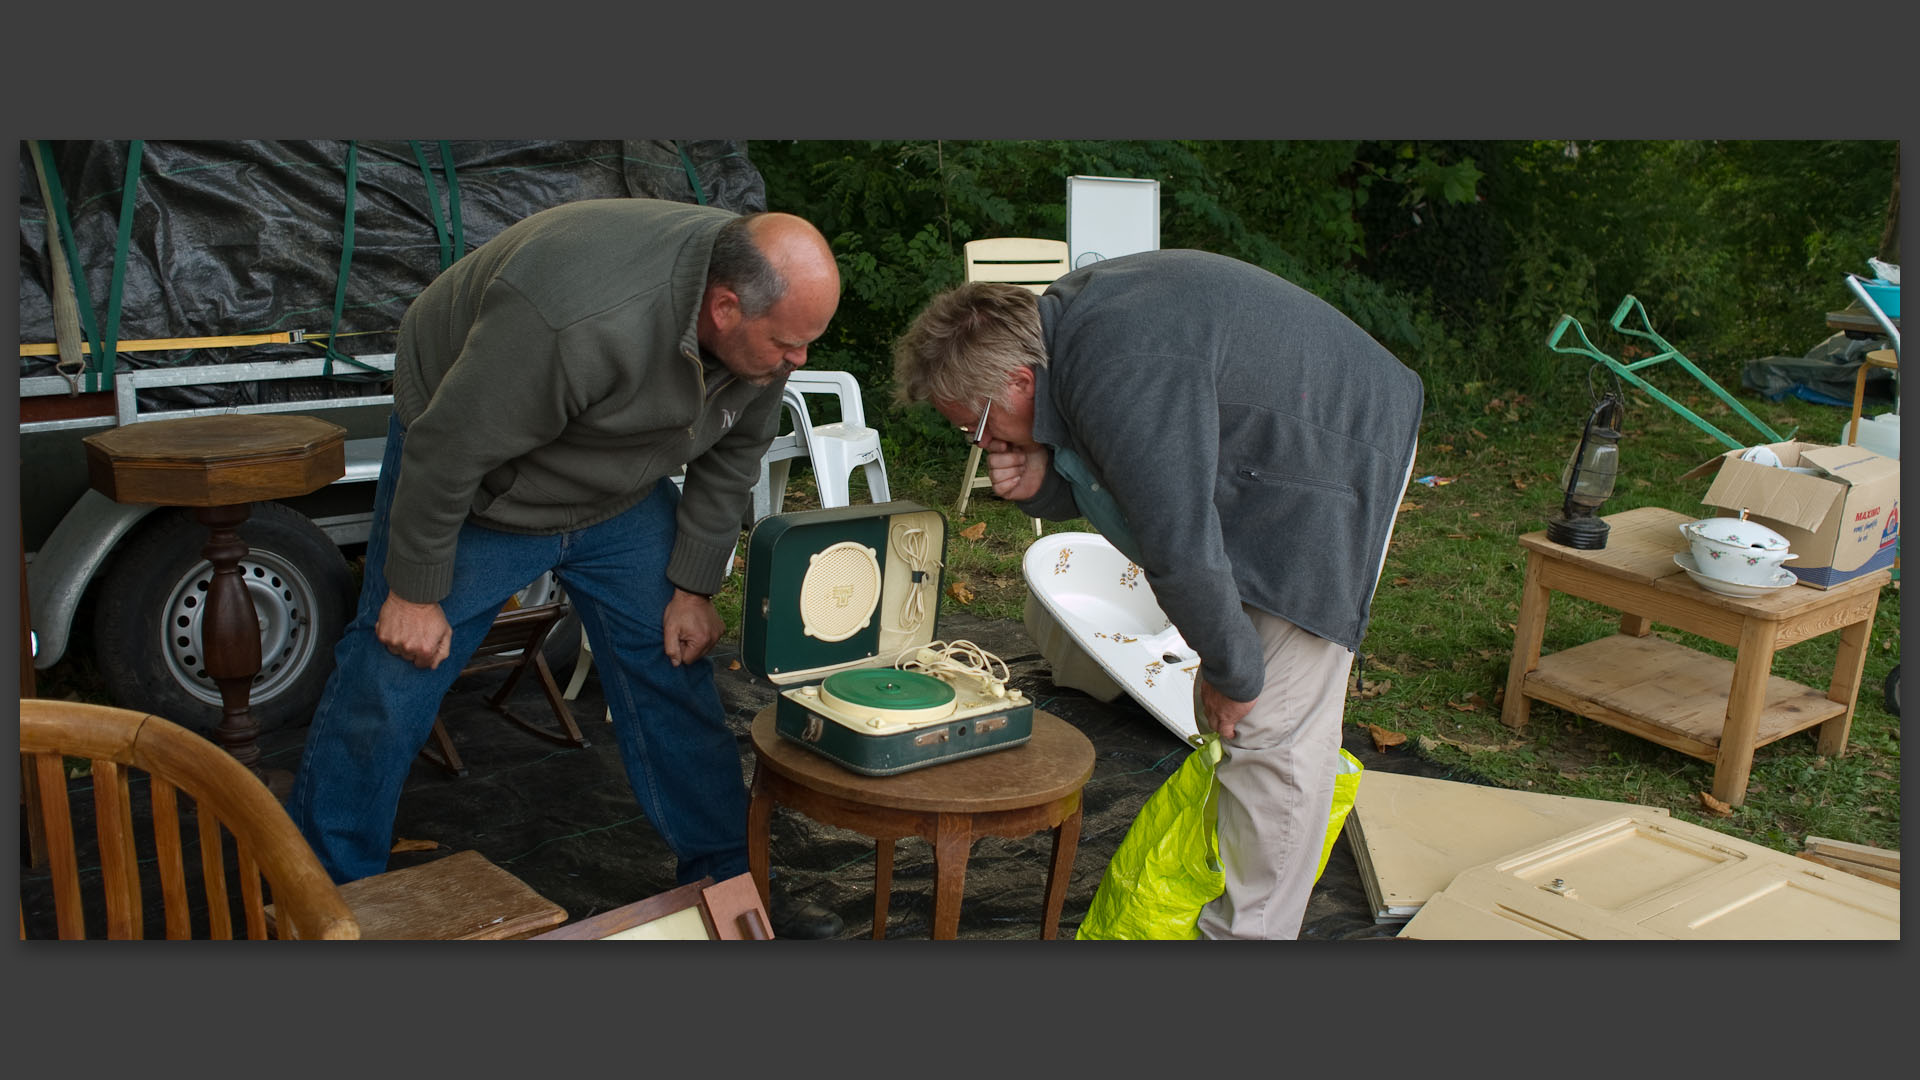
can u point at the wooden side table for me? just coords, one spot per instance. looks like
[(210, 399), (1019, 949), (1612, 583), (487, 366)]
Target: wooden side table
[(1683, 699), (1009, 793), (219, 465)]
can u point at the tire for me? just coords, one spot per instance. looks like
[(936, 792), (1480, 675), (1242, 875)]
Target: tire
[(148, 612)]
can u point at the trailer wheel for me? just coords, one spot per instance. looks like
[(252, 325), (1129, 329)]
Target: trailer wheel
[(147, 619)]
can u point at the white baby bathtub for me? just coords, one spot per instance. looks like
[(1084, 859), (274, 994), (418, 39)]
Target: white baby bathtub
[(1095, 620)]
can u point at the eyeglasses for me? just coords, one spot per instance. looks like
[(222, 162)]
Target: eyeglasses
[(979, 434)]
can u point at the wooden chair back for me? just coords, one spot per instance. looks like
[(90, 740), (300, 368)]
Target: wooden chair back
[(1016, 260), (267, 858)]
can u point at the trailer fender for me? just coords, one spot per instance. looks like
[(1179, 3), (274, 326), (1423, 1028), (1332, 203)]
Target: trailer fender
[(64, 566)]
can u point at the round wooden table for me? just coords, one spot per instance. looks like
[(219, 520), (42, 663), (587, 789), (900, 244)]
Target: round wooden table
[(219, 466), (1010, 793)]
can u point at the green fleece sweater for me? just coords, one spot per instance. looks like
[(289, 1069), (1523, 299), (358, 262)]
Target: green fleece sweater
[(548, 380)]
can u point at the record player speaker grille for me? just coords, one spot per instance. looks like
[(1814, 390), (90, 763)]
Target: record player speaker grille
[(840, 591)]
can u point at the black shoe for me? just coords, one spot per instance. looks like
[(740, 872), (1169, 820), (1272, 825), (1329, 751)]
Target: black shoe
[(801, 919)]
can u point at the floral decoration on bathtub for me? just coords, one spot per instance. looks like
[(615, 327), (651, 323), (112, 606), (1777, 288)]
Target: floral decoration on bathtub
[(1060, 564), (1117, 638), (1130, 577), (1153, 668)]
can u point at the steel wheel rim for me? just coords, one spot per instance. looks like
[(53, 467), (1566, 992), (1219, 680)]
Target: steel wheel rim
[(284, 602)]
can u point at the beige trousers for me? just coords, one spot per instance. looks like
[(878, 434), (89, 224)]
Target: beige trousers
[(1276, 785)]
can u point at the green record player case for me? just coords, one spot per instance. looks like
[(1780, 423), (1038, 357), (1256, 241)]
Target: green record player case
[(857, 587)]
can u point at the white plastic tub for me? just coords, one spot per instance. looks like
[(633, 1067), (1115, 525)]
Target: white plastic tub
[(1091, 613)]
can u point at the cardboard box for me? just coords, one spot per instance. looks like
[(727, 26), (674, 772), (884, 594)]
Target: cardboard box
[(1842, 521)]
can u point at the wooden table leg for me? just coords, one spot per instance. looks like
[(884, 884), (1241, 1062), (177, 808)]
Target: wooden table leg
[(882, 884), (952, 843), (1636, 625), (230, 632), (1066, 841), (759, 826), (1527, 633), (1848, 666), (1733, 764)]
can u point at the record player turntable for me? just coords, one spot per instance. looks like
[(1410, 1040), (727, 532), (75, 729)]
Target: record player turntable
[(840, 613)]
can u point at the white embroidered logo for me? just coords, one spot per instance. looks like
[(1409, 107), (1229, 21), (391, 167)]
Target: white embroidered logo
[(726, 418)]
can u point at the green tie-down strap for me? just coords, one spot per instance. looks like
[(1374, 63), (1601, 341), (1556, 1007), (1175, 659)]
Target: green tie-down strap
[(1167, 867)]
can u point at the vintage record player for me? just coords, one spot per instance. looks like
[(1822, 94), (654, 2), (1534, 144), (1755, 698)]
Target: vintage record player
[(840, 612)]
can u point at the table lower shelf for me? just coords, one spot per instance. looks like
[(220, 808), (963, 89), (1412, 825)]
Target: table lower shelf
[(1668, 693)]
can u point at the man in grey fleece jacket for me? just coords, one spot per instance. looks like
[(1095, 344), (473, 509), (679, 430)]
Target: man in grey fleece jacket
[(1246, 445), (546, 389)]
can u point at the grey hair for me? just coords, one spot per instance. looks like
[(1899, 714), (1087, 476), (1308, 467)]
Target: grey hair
[(738, 263), (966, 342)]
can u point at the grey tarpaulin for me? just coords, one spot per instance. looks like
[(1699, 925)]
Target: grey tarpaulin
[(246, 237), (1825, 375)]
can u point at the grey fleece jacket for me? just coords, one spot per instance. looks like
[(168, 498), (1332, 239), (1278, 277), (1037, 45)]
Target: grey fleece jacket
[(548, 380), (1255, 440)]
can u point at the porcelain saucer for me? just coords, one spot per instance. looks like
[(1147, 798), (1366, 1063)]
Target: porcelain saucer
[(1782, 578)]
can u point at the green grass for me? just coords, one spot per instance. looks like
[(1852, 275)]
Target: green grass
[(1434, 664)]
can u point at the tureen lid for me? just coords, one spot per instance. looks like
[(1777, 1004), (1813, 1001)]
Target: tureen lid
[(1740, 532)]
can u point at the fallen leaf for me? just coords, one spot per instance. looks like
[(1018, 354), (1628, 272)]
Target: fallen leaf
[(1715, 806), (1519, 484), (1477, 701), (1879, 774), (1458, 536), (975, 531), (733, 665), (1408, 507), (1460, 706), (959, 591), (1374, 689), (1401, 581), (1383, 739), (401, 843)]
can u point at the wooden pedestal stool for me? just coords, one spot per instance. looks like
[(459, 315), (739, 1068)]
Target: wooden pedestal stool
[(1009, 793), (219, 466)]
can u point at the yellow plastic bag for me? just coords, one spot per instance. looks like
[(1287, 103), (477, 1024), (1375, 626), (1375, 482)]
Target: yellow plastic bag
[(1346, 784), (1167, 867)]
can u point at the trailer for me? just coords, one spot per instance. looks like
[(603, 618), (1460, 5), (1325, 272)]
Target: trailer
[(254, 277)]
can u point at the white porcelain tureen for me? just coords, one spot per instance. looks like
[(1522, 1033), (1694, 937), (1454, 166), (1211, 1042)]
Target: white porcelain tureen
[(1737, 550)]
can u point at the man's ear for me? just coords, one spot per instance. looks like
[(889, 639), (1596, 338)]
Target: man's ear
[(723, 307), (1021, 380)]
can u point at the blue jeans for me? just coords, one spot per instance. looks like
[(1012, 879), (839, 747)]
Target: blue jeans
[(378, 709)]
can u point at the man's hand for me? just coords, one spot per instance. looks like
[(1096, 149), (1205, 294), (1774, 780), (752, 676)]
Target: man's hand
[(1220, 712), (689, 627), (1016, 473), (417, 633)]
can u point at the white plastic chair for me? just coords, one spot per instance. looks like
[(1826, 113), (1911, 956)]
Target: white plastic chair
[(1016, 260), (834, 450)]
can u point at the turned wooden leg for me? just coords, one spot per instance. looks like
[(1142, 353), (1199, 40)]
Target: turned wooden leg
[(759, 826), (1066, 841), (952, 843), (230, 632), (882, 884)]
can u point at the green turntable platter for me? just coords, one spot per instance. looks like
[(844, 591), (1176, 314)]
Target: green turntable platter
[(866, 693)]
